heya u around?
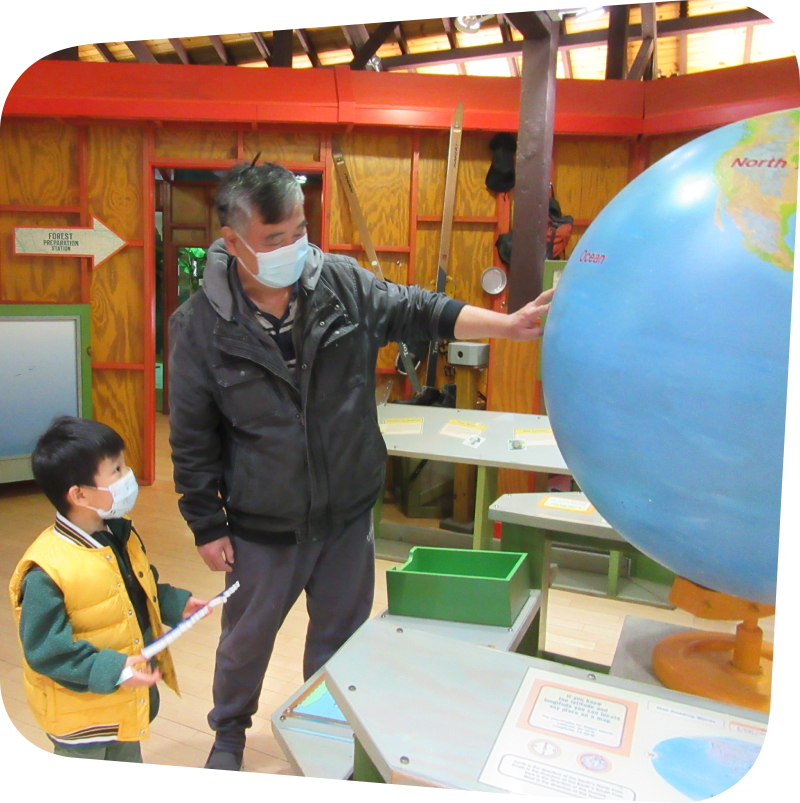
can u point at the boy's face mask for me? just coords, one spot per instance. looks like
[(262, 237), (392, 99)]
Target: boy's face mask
[(123, 496)]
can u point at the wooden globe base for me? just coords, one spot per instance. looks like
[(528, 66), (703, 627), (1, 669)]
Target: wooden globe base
[(702, 663), (731, 669)]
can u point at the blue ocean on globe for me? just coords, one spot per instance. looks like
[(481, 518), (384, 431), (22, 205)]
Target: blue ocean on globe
[(700, 767), (665, 355)]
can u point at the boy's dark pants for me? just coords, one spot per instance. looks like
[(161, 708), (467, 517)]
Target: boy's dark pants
[(102, 751)]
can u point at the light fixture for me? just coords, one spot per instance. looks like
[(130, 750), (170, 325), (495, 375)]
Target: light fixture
[(471, 24), (301, 179), (583, 14)]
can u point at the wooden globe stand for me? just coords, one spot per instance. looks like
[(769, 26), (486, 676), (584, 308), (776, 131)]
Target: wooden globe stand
[(734, 669)]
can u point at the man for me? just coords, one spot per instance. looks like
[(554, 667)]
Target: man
[(273, 427)]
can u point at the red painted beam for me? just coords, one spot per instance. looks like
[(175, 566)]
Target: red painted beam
[(172, 92), (81, 90), (719, 97)]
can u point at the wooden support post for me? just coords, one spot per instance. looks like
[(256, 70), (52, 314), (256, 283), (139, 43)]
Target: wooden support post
[(465, 476), (533, 166), (617, 54), (485, 494)]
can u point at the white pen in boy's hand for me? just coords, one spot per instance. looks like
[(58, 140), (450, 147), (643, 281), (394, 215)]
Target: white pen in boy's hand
[(162, 643)]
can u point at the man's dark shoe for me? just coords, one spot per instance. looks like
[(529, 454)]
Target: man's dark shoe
[(222, 760)]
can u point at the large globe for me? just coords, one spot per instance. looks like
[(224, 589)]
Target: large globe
[(666, 350)]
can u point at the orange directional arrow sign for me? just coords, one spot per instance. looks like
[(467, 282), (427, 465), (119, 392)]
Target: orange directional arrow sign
[(97, 242)]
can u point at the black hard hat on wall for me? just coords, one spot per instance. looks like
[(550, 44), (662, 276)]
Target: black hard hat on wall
[(500, 177)]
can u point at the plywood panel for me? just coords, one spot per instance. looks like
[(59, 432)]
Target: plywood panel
[(190, 205), (514, 369), (118, 401), (659, 147), (37, 279), (38, 163), (510, 481), (472, 251), (380, 166), (473, 198), (118, 308), (195, 143), (589, 172), (115, 179), (282, 146)]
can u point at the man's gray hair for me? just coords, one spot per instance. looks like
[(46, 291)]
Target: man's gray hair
[(268, 189)]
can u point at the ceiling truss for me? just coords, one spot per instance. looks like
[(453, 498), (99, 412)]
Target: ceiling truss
[(287, 48)]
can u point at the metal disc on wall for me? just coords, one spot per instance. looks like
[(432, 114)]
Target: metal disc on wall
[(494, 280)]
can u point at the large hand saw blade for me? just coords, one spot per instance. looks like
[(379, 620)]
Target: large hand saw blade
[(366, 240), (453, 155)]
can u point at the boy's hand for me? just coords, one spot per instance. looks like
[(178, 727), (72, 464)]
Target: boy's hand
[(143, 676), (192, 606)]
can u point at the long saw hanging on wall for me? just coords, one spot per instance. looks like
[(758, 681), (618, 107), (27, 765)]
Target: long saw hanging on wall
[(430, 395), (366, 241)]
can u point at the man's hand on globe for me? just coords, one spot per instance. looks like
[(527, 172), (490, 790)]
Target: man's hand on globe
[(525, 323)]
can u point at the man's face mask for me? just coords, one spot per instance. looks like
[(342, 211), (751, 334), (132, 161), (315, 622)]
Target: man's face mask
[(281, 267)]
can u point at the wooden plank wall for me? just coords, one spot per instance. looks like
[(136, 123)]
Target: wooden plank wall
[(60, 174)]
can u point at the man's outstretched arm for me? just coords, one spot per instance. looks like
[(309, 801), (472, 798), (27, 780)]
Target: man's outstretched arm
[(475, 323)]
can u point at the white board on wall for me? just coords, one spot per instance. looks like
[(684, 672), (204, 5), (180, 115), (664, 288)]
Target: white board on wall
[(39, 380)]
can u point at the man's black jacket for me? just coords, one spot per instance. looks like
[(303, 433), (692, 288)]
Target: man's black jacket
[(273, 455)]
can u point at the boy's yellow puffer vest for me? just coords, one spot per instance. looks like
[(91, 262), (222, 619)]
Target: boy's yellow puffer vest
[(101, 613)]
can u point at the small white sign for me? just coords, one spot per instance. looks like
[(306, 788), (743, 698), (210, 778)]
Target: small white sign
[(402, 426), (573, 505), (461, 429), (536, 437), (97, 242)]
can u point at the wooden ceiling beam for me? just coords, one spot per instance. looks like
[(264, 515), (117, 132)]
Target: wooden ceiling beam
[(449, 29), (261, 45), (142, 52), (400, 36), (505, 33), (617, 50), (371, 46), (308, 46), (282, 48), (222, 51), (531, 24), (723, 19), (103, 50), (180, 49)]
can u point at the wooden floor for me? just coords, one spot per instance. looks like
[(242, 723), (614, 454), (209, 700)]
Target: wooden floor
[(579, 626)]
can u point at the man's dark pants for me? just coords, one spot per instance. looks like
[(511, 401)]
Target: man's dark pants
[(338, 576)]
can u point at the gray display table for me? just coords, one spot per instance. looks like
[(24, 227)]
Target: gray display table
[(529, 526), (323, 750), (490, 456), (427, 709)]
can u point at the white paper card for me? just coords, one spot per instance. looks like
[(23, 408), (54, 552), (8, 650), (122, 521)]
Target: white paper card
[(402, 426), (536, 436), (461, 429), (562, 503)]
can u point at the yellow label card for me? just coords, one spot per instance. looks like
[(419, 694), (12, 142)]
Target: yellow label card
[(562, 503), (402, 426)]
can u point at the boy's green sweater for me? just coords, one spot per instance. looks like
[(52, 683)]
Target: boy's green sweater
[(46, 632)]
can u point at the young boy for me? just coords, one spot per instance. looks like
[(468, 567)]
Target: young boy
[(86, 601)]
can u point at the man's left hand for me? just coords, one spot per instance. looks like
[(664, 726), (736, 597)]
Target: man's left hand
[(192, 606)]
